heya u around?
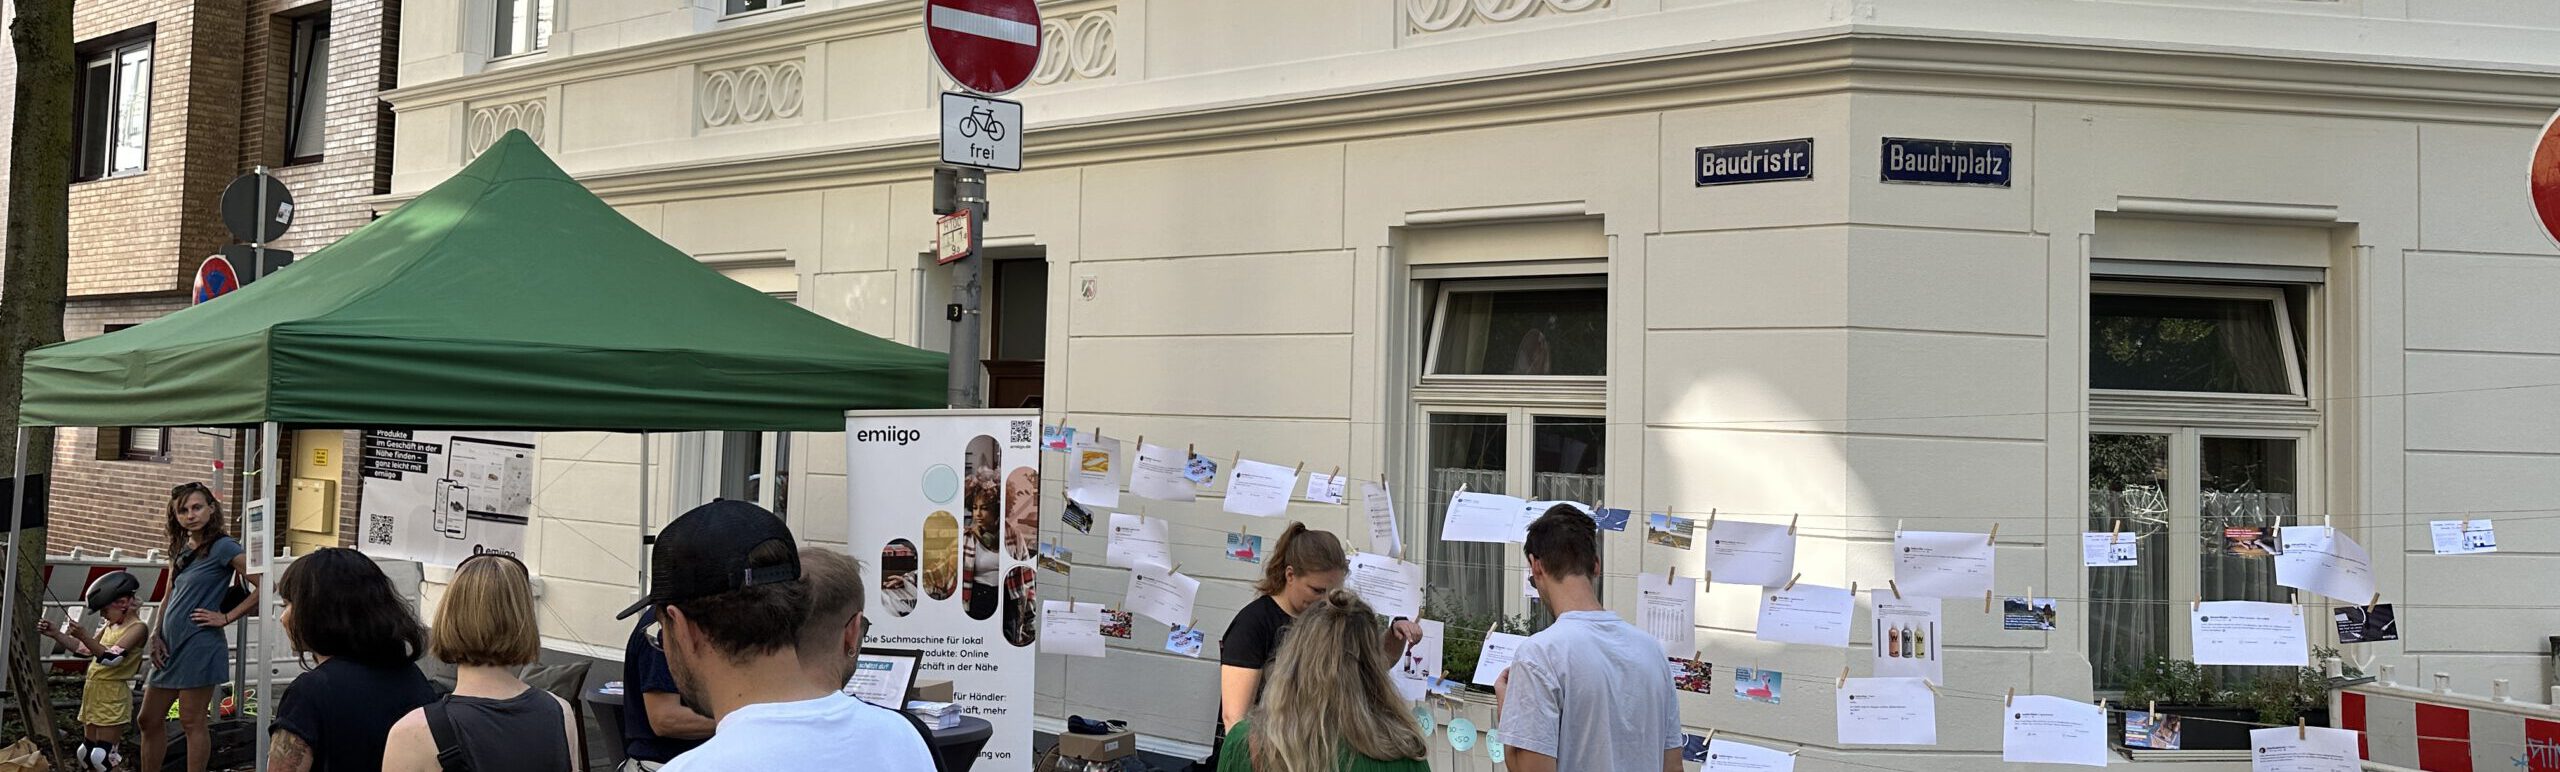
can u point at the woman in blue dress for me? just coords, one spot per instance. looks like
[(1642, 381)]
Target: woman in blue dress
[(188, 652)]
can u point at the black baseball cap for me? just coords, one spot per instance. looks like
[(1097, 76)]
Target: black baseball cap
[(704, 553)]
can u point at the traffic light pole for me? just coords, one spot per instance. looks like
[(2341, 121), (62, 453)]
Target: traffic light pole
[(964, 311)]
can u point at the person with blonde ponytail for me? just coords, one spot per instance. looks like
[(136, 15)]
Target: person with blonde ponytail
[(1326, 703), (1302, 567)]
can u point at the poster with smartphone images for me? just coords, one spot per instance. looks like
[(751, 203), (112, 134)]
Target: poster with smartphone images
[(947, 504), (439, 497)]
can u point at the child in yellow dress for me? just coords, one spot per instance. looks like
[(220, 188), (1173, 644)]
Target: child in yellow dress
[(106, 705)]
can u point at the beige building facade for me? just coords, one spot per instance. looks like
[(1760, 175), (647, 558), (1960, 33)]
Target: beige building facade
[(2250, 261)]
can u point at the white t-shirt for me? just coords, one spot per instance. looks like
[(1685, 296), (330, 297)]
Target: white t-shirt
[(830, 733), (1592, 693)]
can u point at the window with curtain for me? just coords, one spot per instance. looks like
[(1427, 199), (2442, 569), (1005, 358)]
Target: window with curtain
[(1511, 399), (2201, 437)]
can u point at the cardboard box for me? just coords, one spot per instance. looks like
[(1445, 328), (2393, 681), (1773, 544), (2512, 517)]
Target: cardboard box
[(929, 691), (1098, 747)]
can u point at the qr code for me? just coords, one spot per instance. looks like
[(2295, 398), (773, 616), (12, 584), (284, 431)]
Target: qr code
[(377, 529), (1025, 432)]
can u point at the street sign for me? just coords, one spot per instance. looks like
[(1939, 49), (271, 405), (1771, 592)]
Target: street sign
[(215, 279), (981, 132), (243, 208), (2543, 182), (951, 237), (1755, 162), (987, 46), (1944, 162)]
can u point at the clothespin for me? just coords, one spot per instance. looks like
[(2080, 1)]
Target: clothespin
[(1791, 582), (1844, 675), (1897, 528), (1995, 535), (1897, 588), (1177, 568), (2010, 700), (2118, 535), (2377, 600), (2152, 707), (1986, 601), (1302, 471), (1933, 686), (1142, 442), (1711, 737), (2199, 605), (1853, 589), (2301, 728), (1698, 656), (1672, 576), (1711, 525), (1791, 523), (1793, 753)]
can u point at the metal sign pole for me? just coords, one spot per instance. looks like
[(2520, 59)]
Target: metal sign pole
[(972, 189), (260, 558), (258, 265)]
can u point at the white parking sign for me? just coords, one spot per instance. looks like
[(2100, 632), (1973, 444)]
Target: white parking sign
[(981, 132)]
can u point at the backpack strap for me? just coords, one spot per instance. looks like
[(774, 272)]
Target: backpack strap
[(449, 752), (927, 734)]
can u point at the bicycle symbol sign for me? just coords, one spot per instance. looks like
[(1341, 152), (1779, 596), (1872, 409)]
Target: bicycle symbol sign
[(981, 132)]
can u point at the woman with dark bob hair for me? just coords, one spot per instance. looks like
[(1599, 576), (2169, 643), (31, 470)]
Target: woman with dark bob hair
[(361, 644)]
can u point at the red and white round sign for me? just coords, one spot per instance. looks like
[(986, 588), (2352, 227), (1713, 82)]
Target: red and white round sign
[(988, 46), (2545, 179)]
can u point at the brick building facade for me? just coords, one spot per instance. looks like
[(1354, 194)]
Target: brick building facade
[(174, 99)]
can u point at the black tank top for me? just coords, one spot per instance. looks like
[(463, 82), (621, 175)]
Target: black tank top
[(523, 733)]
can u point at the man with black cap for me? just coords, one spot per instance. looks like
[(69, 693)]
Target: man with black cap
[(725, 582)]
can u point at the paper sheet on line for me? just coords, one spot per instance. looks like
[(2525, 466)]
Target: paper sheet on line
[(1073, 629), (1418, 664), (1163, 597), (1379, 503), (2110, 549), (1257, 489), (1907, 637), (2455, 537), (1137, 539), (1324, 488), (1730, 756), (1485, 517), (1942, 564), (2303, 749), (2242, 632), (1158, 474), (2052, 730), (1757, 554), (1499, 650), (1094, 480), (1887, 711), (2326, 561), (1668, 610), (1391, 587), (1809, 614)]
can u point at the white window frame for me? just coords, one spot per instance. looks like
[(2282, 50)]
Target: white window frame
[(2296, 393), (1520, 399), (531, 39), (113, 59), (778, 6), (2186, 418)]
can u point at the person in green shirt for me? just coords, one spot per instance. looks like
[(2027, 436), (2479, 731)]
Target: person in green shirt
[(1327, 705)]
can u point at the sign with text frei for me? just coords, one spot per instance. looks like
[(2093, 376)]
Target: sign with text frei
[(944, 508)]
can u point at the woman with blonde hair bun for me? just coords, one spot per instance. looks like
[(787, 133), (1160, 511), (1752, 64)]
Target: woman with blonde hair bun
[(1327, 704)]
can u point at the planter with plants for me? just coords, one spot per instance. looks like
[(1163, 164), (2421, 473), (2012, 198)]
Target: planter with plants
[(1462, 633), (2219, 717)]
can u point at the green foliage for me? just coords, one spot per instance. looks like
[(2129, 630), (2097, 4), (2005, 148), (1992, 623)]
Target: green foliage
[(1463, 625), (2278, 697), (2174, 681)]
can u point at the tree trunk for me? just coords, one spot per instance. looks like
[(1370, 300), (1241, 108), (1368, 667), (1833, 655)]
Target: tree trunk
[(37, 265)]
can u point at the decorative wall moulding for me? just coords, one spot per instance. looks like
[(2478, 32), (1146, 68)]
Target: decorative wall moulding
[(1424, 17), (491, 121), (752, 93), (1078, 47)]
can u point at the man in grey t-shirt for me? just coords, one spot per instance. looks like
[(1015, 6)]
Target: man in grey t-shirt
[(1590, 693)]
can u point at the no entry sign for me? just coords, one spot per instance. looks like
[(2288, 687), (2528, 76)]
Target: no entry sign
[(987, 46), (2545, 179)]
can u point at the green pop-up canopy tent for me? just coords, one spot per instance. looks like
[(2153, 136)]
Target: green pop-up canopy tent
[(507, 297)]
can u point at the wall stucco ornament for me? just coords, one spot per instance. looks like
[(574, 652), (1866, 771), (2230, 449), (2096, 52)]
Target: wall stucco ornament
[(750, 93), (1428, 16), (1078, 47), (491, 121)]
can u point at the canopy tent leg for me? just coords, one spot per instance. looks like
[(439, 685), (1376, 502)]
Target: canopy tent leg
[(640, 584), (9, 587), (261, 555)]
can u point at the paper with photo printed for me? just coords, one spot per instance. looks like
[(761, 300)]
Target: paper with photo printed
[(2242, 632), (2326, 561), (2110, 549), (1325, 488), (1419, 664), (1379, 503), (1499, 650), (2053, 730), (2304, 749), (2463, 537), (1667, 609), (1887, 711), (1163, 597), (1073, 629), (1391, 587), (1485, 517), (1730, 756), (1906, 640), (1094, 481)]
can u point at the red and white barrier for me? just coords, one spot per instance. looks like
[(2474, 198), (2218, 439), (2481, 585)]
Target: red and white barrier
[(2440, 731)]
